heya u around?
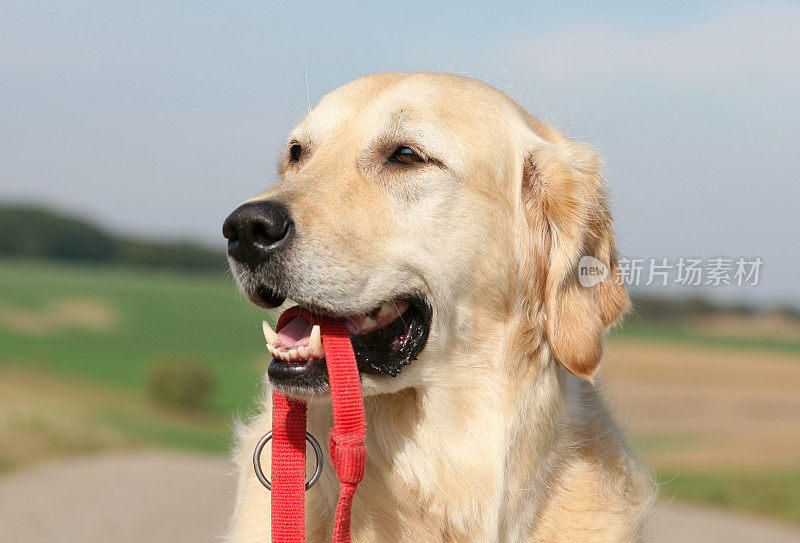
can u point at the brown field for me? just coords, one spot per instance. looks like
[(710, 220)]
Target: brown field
[(758, 326), (706, 408), (44, 417), (94, 315)]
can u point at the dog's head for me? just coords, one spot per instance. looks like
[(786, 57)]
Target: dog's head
[(426, 211)]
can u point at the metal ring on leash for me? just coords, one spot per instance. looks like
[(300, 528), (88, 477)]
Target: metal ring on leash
[(257, 460)]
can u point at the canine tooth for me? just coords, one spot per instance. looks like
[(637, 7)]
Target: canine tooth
[(368, 324), (315, 340), (303, 352), (271, 349), (269, 333)]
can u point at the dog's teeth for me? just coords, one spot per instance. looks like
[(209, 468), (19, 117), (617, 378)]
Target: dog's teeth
[(315, 340), (303, 352), (269, 333), (368, 325), (292, 354), (386, 309), (284, 356), (271, 349)]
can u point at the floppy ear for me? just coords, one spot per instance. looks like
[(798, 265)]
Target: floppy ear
[(566, 211)]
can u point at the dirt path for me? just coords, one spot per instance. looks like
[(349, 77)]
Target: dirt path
[(173, 498), (139, 497)]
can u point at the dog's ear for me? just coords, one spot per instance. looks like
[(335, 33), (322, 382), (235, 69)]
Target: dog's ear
[(566, 210)]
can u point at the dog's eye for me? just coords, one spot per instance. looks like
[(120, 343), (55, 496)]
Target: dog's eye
[(295, 152), (405, 155)]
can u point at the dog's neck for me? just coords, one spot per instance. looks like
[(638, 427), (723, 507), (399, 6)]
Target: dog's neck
[(449, 448)]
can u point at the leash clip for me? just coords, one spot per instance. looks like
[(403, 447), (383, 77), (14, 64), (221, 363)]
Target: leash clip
[(257, 460)]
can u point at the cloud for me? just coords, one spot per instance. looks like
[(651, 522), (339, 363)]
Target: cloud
[(752, 45), (697, 120)]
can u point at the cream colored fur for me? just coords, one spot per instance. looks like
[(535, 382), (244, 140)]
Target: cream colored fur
[(496, 433)]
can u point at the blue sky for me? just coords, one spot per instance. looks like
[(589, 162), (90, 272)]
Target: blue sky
[(159, 117)]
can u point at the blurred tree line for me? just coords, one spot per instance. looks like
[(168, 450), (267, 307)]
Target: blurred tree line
[(661, 308), (36, 232)]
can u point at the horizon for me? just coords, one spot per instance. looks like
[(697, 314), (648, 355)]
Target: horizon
[(704, 295)]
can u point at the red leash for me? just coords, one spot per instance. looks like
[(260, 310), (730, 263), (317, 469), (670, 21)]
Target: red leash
[(346, 442), (288, 469)]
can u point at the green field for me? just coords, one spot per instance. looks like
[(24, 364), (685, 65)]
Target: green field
[(75, 387), (773, 492), (636, 328), (164, 314), (156, 315)]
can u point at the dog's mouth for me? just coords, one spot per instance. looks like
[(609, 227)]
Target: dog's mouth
[(384, 340)]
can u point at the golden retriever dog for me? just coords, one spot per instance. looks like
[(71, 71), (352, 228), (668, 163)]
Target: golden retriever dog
[(444, 225)]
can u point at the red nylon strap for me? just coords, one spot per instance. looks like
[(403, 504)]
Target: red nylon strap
[(346, 442), (288, 472)]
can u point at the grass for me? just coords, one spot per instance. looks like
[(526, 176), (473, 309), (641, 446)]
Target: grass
[(158, 315), (767, 492), (674, 332), (76, 390), (163, 314), (43, 416)]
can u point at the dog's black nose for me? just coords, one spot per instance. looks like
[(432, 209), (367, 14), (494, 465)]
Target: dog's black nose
[(255, 230)]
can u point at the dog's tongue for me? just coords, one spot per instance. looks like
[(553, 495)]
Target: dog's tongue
[(296, 332)]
